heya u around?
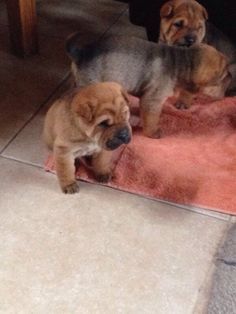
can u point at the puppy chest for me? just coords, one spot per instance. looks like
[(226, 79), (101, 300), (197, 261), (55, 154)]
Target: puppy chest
[(86, 149)]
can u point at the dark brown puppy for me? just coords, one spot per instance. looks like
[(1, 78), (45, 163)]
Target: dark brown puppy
[(92, 121), (152, 73)]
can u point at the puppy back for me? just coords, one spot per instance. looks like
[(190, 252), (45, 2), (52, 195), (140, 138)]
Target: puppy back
[(179, 62)]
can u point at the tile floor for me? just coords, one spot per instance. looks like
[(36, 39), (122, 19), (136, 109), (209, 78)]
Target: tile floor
[(101, 251)]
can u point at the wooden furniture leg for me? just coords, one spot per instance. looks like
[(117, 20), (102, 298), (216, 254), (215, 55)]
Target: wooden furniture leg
[(22, 24)]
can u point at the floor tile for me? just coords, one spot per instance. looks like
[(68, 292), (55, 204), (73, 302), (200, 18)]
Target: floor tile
[(3, 13), (222, 294), (100, 251), (61, 18), (233, 219), (28, 146), (124, 27), (26, 83)]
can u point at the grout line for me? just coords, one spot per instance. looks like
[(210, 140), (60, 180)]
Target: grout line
[(26, 163), (59, 37), (66, 76), (55, 89), (111, 25), (196, 210), (206, 211), (115, 21), (102, 33)]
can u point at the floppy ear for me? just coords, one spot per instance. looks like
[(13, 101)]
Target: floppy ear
[(205, 14), (166, 10), (86, 110), (125, 95)]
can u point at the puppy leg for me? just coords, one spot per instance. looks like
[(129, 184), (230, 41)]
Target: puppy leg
[(102, 165), (65, 169), (151, 104), (150, 114), (185, 100), (231, 89)]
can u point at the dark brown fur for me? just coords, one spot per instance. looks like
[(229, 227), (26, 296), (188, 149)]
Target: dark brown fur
[(148, 70)]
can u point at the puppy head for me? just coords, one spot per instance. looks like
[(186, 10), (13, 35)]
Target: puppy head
[(211, 70), (102, 114), (182, 22)]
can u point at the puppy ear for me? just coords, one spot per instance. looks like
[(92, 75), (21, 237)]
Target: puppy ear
[(86, 110), (166, 10), (205, 14), (125, 95)]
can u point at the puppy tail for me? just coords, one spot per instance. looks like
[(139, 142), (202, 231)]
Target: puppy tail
[(73, 47), (75, 42)]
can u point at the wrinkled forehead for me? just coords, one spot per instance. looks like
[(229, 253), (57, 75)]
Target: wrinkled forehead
[(192, 13), (115, 110)]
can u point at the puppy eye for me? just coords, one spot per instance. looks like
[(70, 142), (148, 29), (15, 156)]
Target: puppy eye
[(178, 24), (104, 124)]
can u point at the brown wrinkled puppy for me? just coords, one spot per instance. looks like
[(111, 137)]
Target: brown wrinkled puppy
[(184, 23), (212, 78), (152, 73), (91, 121)]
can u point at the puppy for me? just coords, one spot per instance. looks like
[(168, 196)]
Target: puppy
[(184, 23), (92, 121), (148, 70)]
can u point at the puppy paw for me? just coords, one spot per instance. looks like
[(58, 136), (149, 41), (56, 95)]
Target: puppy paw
[(71, 188), (181, 106), (103, 178), (157, 134)]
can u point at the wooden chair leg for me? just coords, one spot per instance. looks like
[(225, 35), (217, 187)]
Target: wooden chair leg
[(22, 25)]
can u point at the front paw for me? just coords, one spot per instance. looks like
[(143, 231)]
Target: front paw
[(103, 177), (153, 134), (71, 188), (181, 106)]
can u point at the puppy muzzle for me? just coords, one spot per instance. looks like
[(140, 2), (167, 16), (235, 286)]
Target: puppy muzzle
[(187, 40), (123, 136)]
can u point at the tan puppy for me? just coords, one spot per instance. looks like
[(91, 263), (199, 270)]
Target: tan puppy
[(182, 23), (92, 121)]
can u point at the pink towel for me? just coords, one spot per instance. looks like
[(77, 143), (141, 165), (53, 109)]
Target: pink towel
[(194, 163)]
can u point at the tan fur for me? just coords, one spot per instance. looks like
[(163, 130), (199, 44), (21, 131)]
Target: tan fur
[(181, 18), (191, 17), (87, 122), (211, 78)]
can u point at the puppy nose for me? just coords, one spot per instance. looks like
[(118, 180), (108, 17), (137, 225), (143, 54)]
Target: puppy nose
[(190, 39), (124, 135)]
